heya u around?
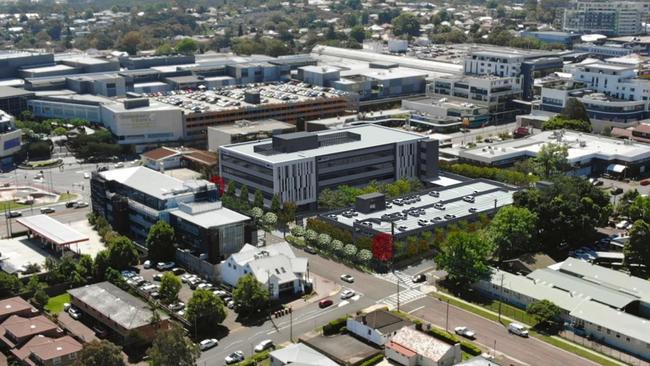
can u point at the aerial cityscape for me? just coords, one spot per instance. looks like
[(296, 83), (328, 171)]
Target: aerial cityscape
[(324, 183)]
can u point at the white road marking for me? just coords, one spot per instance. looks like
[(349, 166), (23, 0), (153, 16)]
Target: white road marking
[(416, 309), (343, 303)]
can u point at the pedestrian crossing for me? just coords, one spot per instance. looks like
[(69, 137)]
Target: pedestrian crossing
[(405, 297), (393, 277)]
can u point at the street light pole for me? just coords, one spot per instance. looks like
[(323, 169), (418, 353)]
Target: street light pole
[(447, 317), (500, 297)]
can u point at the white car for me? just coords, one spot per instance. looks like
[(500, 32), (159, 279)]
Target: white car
[(346, 294), (465, 332), (86, 175), (208, 343), (622, 225), (347, 278), (118, 165), (237, 356), (177, 306), (147, 264), (264, 345), (81, 204), (165, 266), (74, 313)]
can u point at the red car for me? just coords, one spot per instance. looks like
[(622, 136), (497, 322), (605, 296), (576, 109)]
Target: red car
[(645, 182), (325, 303)]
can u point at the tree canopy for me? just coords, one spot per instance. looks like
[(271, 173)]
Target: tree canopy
[(100, 353), (545, 312), (172, 347), (574, 109), (122, 253), (560, 122), (637, 249), (170, 286), (160, 242), (205, 311), (465, 257), (406, 24), (511, 232), (551, 160), (250, 295)]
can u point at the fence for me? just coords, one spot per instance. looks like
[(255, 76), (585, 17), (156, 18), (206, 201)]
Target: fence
[(601, 348)]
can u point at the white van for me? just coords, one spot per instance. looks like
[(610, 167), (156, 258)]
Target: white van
[(518, 329)]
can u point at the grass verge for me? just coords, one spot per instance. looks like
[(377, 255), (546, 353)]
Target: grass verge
[(55, 304)]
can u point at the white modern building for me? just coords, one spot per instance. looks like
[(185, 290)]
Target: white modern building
[(608, 306), (10, 136), (492, 62), (614, 18), (275, 266), (244, 130)]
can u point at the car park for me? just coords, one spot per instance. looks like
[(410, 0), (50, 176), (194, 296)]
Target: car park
[(469, 199), (264, 345), (237, 356), (347, 278), (325, 303), (465, 332), (346, 294), (206, 344)]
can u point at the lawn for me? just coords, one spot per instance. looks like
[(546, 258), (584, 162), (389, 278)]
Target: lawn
[(55, 304), (67, 197)]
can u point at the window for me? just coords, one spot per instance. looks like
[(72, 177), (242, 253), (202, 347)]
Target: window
[(368, 331)]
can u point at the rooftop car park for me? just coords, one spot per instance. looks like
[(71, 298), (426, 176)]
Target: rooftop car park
[(415, 213)]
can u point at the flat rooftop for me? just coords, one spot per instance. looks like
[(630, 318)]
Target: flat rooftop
[(245, 127), (146, 180), (210, 216), (49, 228), (486, 195), (370, 136), (232, 97), (50, 68), (121, 307), (581, 146)]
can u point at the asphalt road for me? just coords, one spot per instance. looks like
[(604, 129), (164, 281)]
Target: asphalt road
[(519, 351)]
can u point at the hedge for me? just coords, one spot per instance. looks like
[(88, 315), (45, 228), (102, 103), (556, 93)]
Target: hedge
[(335, 326), (255, 359), (470, 348), (444, 336), (373, 360)]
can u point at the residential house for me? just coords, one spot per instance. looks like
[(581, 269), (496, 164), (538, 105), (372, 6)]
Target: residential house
[(299, 354), (410, 347), (45, 351), (16, 330), (16, 306), (376, 326)]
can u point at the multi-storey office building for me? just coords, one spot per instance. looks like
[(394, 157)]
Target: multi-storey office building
[(622, 18), (133, 199), (444, 115), (298, 166)]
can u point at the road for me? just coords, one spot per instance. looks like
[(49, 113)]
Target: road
[(520, 351)]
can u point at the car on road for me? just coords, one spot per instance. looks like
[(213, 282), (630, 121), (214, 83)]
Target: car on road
[(165, 266), (177, 306), (617, 190), (118, 165), (237, 356), (645, 182), (146, 264), (419, 278), (70, 204), (325, 303), (12, 214), (80, 204), (264, 345), (206, 344), (310, 250), (86, 175), (518, 329), (346, 294), (74, 313), (347, 278), (47, 210), (465, 332)]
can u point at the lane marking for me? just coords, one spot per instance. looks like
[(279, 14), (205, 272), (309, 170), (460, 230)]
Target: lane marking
[(416, 309)]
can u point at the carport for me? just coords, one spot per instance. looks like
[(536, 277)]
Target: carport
[(618, 169), (58, 235)]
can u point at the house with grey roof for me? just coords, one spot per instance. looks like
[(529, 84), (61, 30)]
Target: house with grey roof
[(299, 354), (376, 326), (608, 306), (275, 266)]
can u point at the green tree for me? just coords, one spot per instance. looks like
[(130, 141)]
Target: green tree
[(102, 263), (122, 253), (187, 46), (130, 42), (511, 232), (637, 249), (161, 242), (358, 33), (10, 285), (551, 160), (286, 215), (258, 201), (544, 311), (205, 311), (172, 347), (465, 258), (60, 131), (100, 353), (406, 24), (85, 266), (244, 196), (559, 123), (165, 49), (170, 286), (41, 298), (639, 208), (250, 295), (574, 109), (276, 206)]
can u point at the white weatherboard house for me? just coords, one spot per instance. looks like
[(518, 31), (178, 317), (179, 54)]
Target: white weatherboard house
[(274, 266)]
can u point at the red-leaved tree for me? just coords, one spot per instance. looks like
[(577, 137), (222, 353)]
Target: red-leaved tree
[(219, 182), (382, 247)]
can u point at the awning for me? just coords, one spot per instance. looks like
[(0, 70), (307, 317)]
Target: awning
[(616, 168)]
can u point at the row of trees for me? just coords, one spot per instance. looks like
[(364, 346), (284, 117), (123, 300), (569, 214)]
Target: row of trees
[(345, 196)]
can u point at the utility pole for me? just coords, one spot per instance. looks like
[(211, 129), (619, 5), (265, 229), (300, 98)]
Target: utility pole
[(397, 288), (447, 317), (494, 349), (500, 296), (291, 324)]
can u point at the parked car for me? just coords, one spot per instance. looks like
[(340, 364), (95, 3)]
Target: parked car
[(310, 250), (47, 210), (346, 294), (80, 204), (465, 332), (118, 165), (347, 278), (86, 175), (622, 224), (178, 271), (70, 204), (165, 266), (237, 356), (66, 306), (147, 264), (644, 182), (264, 345), (177, 306), (100, 331), (74, 313), (231, 304), (419, 278), (186, 277), (617, 190), (206, 344), (12, 214), (325, 303), (518, 329), (157, 277)]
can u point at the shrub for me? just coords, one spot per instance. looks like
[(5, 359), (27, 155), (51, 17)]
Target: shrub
[(373, 360), (335, 326), (470, 348), (418, 325), (443, 336)]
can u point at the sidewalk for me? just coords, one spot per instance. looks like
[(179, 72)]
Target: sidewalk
[(555, 338)]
